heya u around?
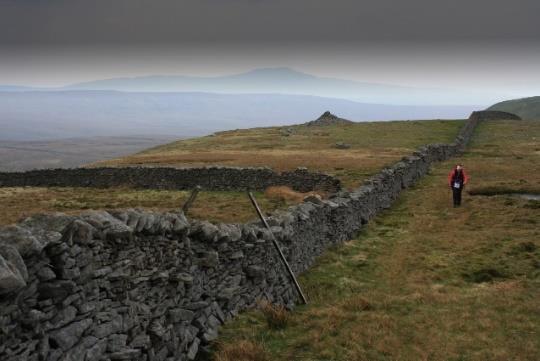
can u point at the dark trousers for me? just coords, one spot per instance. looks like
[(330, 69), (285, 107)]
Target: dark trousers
[(456, 192)]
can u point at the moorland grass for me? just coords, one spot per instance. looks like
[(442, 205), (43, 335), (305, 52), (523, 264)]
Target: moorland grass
[(373, 145), (229, 207), (425, 281)]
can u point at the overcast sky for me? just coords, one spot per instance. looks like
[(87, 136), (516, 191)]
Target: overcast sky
[(481, 44)]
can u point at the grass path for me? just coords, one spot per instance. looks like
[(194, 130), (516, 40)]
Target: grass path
[(425, 281)]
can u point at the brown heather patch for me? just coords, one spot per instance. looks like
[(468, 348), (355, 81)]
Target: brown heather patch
[(286, 194), (277, 316), (242, 350)]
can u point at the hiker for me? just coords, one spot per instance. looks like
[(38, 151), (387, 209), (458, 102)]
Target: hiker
[(457, 180)]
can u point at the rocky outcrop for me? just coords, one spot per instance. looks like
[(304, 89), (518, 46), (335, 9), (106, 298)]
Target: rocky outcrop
[(136, 285), (211, 178), (492, 115), (328, 118)]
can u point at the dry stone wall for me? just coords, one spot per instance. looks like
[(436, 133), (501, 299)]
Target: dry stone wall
[(211, 178), (493, 115), (137, 285)]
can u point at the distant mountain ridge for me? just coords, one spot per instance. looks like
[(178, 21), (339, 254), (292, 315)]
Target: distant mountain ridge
[(289, 81), (526, 108)]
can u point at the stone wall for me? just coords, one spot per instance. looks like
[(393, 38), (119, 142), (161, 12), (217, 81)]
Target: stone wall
[(136, 285), (211, 178), (493, 115)]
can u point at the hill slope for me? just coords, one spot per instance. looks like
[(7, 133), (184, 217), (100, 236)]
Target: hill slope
[(526, 108), (43, 115), (372, 146)]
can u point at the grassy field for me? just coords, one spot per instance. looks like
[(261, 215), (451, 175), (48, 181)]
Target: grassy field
[(373, 145), (424, 281), (18, 203)]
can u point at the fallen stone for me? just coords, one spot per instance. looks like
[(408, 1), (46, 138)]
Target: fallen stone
[(341, 145)]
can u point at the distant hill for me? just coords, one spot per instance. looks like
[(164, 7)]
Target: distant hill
[(289, 81), (16, 88), (526, 108), (65, 114)]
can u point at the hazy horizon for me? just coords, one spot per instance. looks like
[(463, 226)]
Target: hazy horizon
[(420, 59), (488, 46), (512, 69)]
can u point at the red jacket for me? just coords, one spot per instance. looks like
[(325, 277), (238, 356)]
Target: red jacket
[(453, 172)]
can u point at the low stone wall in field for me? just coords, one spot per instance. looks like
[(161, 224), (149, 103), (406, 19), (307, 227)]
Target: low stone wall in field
[(493, 115), (137, 285), (210, 178)]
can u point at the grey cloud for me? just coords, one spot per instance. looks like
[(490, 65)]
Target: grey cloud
[(143, 22)]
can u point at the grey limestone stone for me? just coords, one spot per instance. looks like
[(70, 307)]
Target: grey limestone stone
[(68, 336)]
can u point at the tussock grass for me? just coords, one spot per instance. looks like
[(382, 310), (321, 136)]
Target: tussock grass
[(286, 194), (425, 281), (277, 316), (243, 350)]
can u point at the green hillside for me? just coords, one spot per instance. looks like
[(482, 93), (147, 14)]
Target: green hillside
[(423, 280), (526, 108)]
